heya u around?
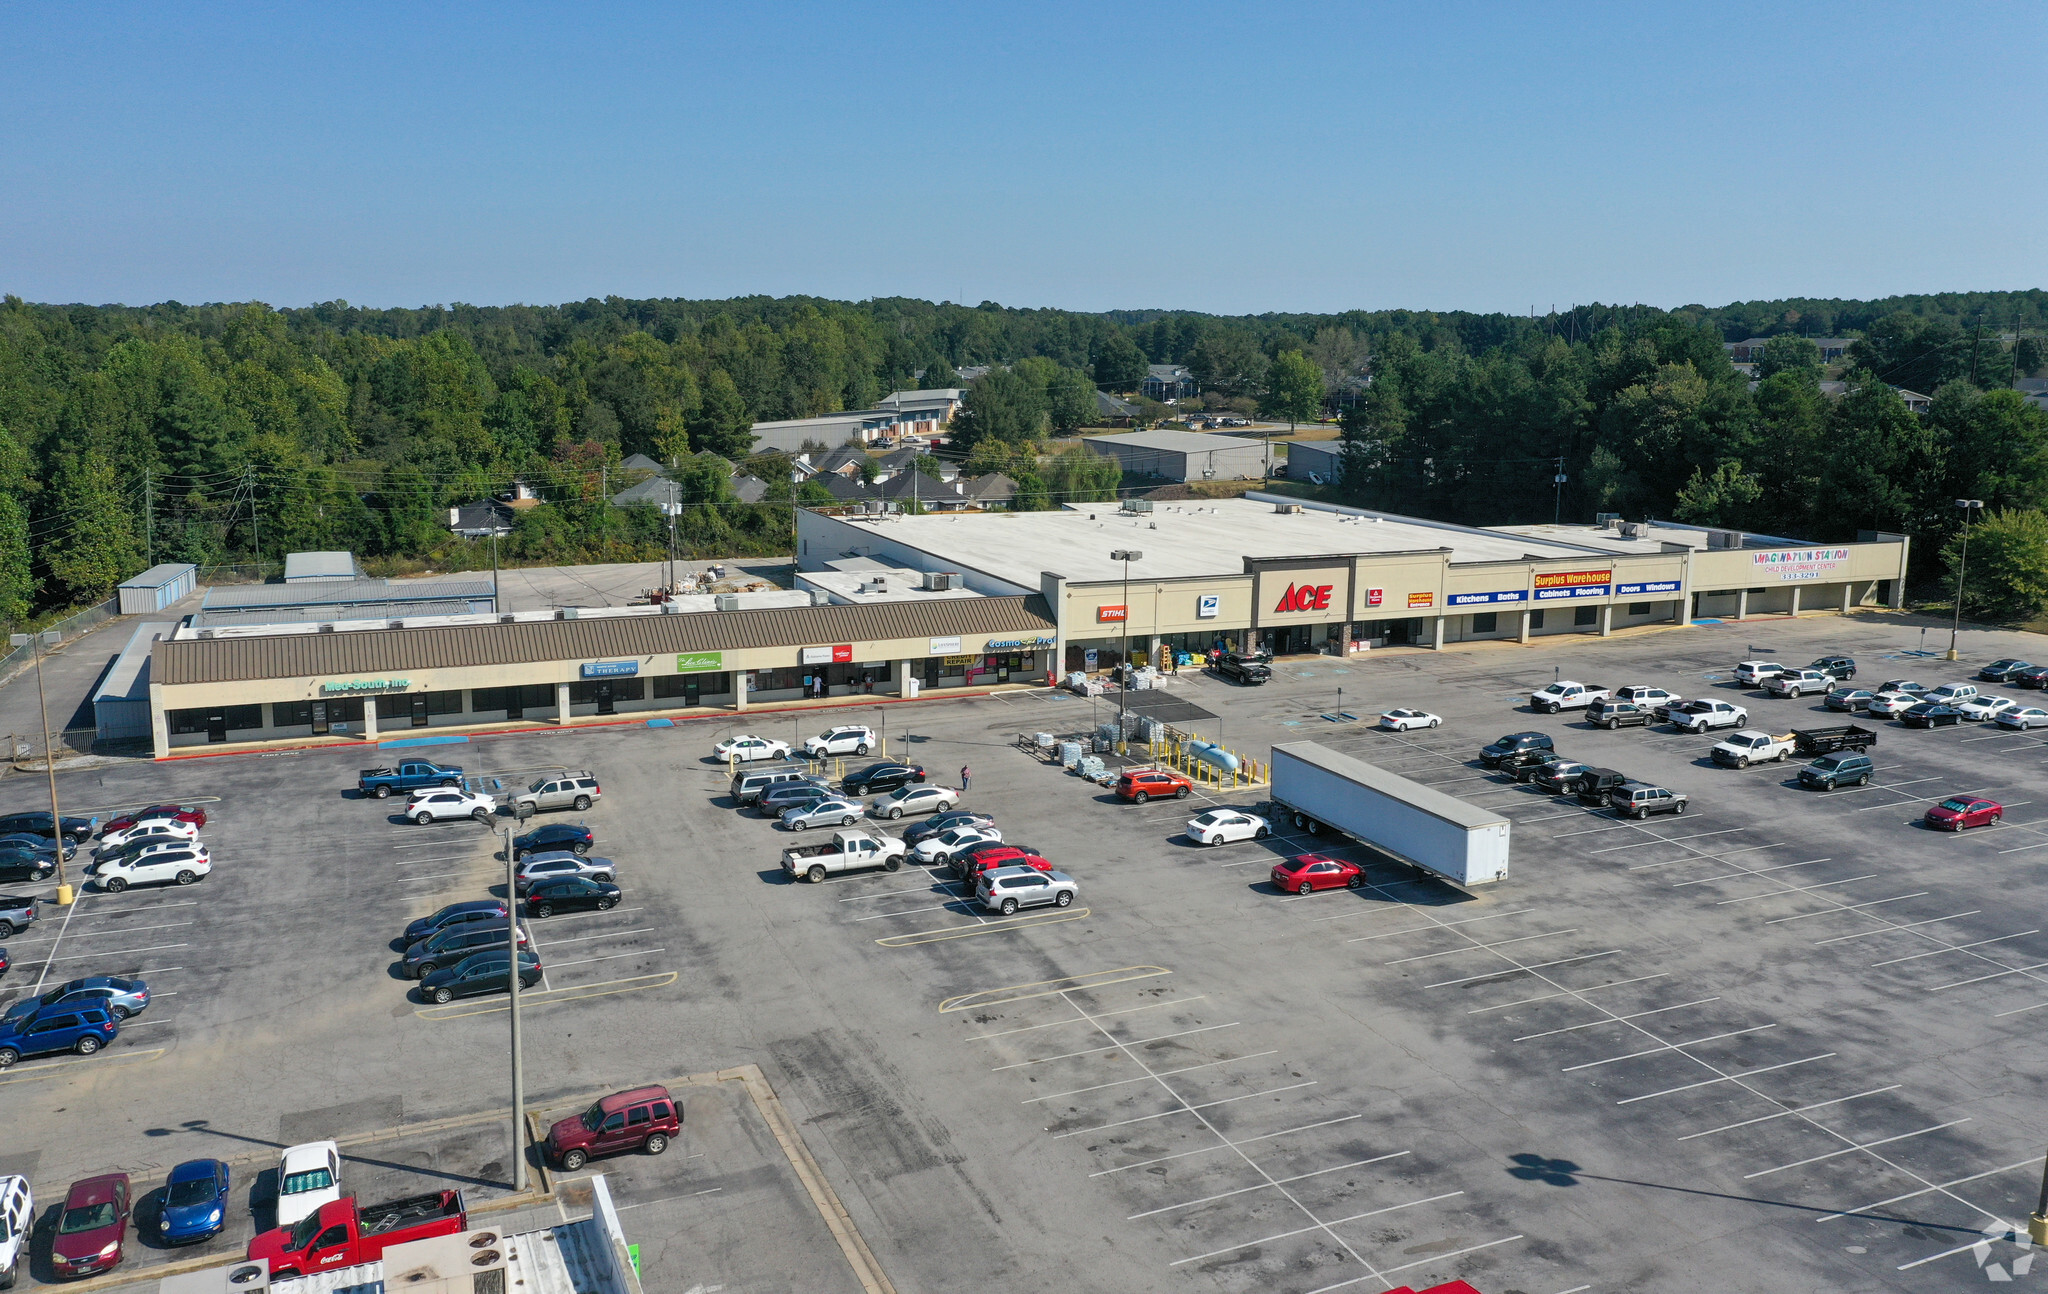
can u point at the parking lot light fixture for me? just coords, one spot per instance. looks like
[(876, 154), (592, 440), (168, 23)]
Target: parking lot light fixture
[(1126, 556), (48, 638), (518, 1065), (1968, 506)]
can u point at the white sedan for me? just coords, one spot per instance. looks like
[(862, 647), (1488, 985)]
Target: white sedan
[(1219, 826), (1889, 704), (154, 829), (1403, 720), (2023, 717), (308, 1176), (917, 798), (445, 806), (1981, 708), (747, 749), (841, 741), (943, 847)]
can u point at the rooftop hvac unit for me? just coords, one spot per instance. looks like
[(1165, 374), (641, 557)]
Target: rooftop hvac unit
[(820, 598), (206, 633), (1287, 507), (1724, 539), (728, 602), (1137, 505), (394, 624), (506, 619), (565, 613), (671, 608), (327, 628), (941, 580), (1605, 519), (1630, 529)]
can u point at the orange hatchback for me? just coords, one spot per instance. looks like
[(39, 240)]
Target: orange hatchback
[(1142, 784)]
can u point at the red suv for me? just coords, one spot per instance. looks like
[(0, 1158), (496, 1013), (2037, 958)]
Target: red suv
[(1142, 784), (642, 1119), (970, 867)]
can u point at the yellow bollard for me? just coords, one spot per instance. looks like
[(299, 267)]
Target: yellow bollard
[(64, 896)]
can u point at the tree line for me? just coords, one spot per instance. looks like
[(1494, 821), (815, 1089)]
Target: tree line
[(233, 432)]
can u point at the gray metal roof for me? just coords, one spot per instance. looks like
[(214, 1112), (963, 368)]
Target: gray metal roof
[(158, 575), (395, 651), (1175, 442), (218, 617), (337, 593), (128, 680), (1433, 802), (320, 566)]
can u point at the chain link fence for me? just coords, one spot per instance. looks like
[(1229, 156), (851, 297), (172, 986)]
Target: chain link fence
[(71, 625)]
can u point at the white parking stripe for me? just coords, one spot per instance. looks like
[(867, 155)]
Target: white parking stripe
[(1850, 907), (1227, 1145), (1409, 930), (1761, 871), (1466, 948), (1669, 1046), (1301, 1231), (1244, 1190), (1514, 969), (1615, 1019), (1099, 1015), (1850, 1150), (1576, 992), (1817, 1105), (2028, 1162), (1797, 889), (1108, 1046), (1956, 948), (609, 957), (1183, 1109), (2009, 970), (1146, 1078), (1725, 1078), (1888, 929)]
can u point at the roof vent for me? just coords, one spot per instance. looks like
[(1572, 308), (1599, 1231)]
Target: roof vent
[(394, 624), (327, 628), (206, 633), (728, 602), (506, 619)]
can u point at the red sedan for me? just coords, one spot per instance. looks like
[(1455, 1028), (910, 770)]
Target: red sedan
[(972, 866), (1958, 812), (1312, 872), (178, 812), (93, 1228)]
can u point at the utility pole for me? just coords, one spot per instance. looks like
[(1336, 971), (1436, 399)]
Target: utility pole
[(1975, 339), (148, 520), (494, 562), (255, 521), (1557, 515), (1962, 562), (518, 1069), (48, 638)]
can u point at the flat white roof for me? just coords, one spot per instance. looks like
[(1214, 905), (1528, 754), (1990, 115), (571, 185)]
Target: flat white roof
[(1649, 537), (1181, 539), (876, 582)]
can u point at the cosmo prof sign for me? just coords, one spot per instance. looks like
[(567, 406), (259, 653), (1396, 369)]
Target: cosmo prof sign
[(1552, 585), (1798, 563)]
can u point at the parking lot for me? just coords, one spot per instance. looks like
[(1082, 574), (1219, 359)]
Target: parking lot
[(1784, 1039)]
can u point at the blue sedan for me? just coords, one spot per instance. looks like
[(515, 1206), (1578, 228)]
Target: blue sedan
[(195, 1202)]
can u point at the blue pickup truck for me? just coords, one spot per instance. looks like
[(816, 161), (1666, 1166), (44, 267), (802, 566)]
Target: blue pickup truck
[(381, 782)]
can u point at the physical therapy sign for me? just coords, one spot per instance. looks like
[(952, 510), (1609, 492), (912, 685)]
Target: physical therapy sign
[(1305, 597), (1798, 563)]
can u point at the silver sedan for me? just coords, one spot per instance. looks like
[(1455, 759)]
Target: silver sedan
[(829, 812)]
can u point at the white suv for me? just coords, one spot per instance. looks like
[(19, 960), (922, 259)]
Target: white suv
[(181, 862), (17, 1222), (571, 791), (1751, 673), (1005, 889), (841, 741), (444, 805)]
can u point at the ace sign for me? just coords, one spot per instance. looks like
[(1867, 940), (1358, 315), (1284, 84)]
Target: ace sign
[(1304, 597)]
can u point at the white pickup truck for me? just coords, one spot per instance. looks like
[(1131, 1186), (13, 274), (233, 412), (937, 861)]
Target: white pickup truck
[(846, 851), (1752, 747), (1700, 715), (1566, 695)]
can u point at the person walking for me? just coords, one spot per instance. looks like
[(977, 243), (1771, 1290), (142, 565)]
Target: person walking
[(966, 777)]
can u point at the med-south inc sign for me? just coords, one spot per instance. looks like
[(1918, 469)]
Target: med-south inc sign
[(1798, 563)]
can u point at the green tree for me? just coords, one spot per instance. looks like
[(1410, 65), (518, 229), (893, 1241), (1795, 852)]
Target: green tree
[(2026, 356), (18, 583), (98, 547), (1001, 405), (1069, 401), (938, 376), (1294, 388), (2007, 572), (1118, 363), (1080, 475), (724, 427), (1722, 499), (1787, 353), (1229, 360)]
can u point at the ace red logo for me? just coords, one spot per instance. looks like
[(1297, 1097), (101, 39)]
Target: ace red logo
[(1305, 597)]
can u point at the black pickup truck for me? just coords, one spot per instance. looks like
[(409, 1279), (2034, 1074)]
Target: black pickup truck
[(1248, 670)]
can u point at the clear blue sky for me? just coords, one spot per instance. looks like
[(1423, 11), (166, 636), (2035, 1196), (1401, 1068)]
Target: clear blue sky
[(1229, 158)]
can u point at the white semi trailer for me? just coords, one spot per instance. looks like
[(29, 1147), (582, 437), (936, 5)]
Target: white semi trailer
[(1326, 790)]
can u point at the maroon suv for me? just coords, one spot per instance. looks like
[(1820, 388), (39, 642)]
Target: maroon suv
[(642, 1119)]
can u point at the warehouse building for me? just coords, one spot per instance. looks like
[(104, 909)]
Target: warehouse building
[(1184, 455), (1292, 576)]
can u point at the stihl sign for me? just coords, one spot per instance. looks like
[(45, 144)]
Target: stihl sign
[(1305, 597)]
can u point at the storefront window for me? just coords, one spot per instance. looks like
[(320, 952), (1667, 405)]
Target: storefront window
[(621, 689), (1586, 615), (299, 714), (680, 685), (1485, 622), (399, 705), (526, 696), (232, 718)]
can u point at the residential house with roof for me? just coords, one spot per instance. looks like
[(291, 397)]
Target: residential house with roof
[(1751, 349), (1168, 382), (992, 490), (482, 519)]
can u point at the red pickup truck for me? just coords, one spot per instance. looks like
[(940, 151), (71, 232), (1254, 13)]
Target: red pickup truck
[(342, 1233)]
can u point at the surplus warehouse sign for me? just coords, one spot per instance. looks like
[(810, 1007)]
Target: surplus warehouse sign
[(1798, 563), (342, 687), (1551, 585)]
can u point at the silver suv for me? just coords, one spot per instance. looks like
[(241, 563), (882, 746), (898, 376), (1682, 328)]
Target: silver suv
[(1640, 800), (576, 791), (1005, 889)]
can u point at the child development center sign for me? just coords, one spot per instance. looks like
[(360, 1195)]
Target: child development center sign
[(1799, 563)]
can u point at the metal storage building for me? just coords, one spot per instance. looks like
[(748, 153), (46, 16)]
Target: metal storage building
[(300, 568), (120, 705), (1184, 455), (1307, 461), (157, 587), (248, 604)]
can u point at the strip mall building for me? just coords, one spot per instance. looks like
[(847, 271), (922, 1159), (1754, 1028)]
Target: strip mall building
[(923, 605)]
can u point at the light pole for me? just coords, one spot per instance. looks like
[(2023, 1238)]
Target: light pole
[(1962, 562), (518, 1068), (2037, 1223), (1557, 513), (1126, 556), (48, 638)]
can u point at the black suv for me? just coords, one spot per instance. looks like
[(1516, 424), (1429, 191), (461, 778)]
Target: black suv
[(76, 830), (1595, 784), (1244, 669), (881, 778), (552, 838), (1512, 744), (1841, 668), (453, 915), (1525, 765)]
